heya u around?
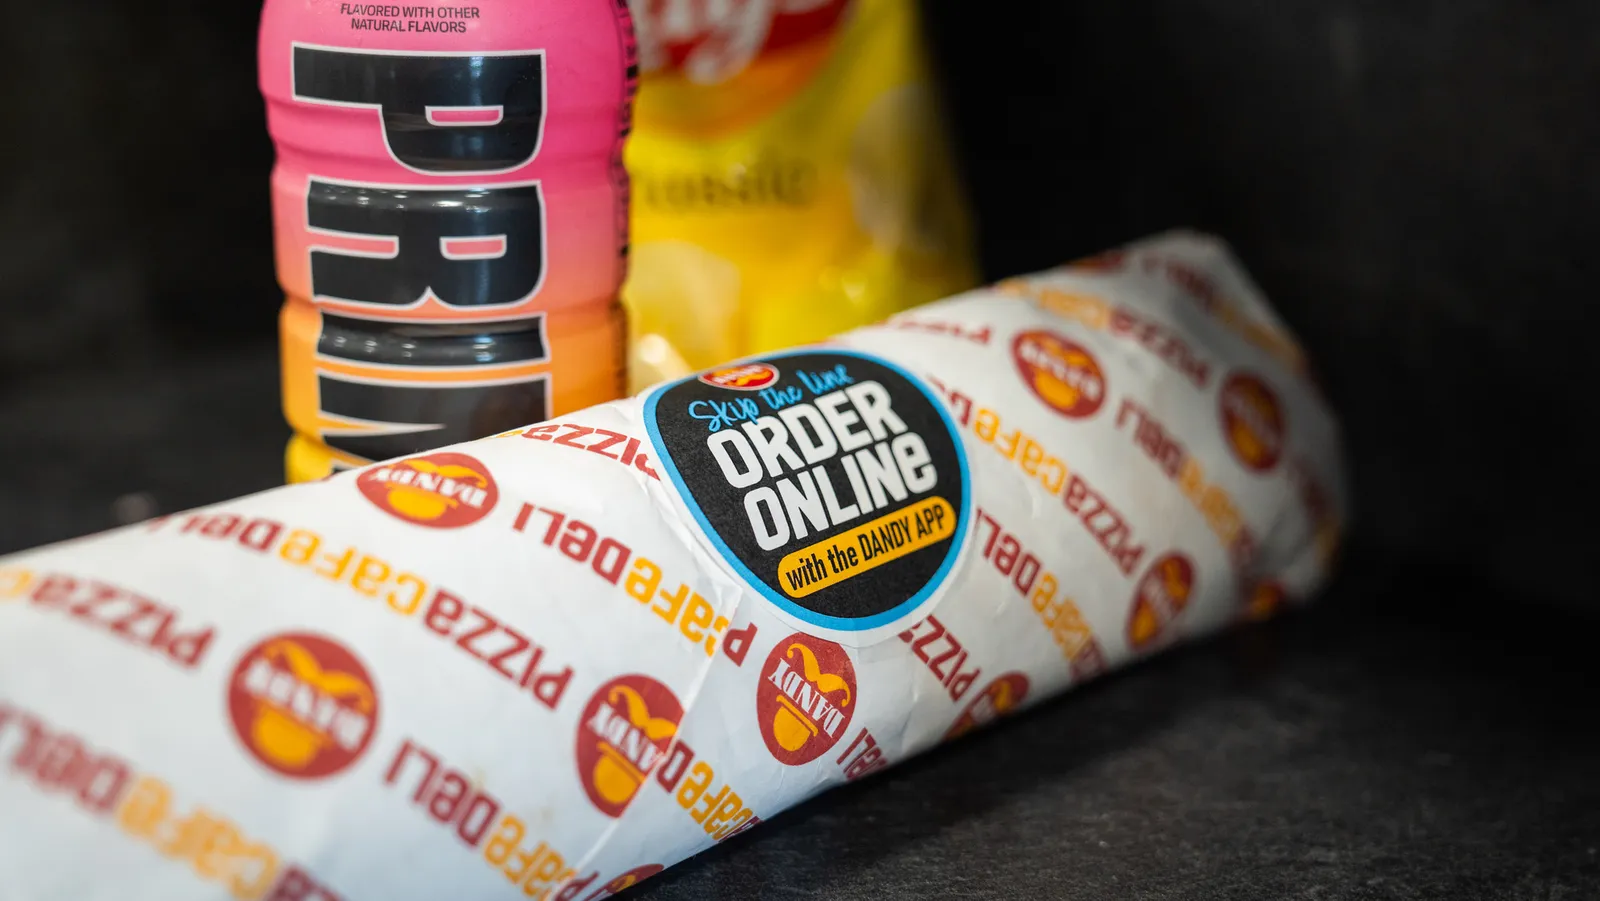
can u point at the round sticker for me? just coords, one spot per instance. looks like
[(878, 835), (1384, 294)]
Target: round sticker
[(1059, 372), (627, 728), (1252, 421), (805, 698), (303, 705), (444, 491), (839, 491), (1159, 598)]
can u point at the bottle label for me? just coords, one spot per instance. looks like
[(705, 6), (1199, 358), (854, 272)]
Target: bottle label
[(424, 250), (437, 257), (434, 109)]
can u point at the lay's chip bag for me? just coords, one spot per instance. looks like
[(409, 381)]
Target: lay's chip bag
[(790, 178)]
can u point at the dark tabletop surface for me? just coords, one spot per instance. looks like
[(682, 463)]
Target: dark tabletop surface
[(1411, 736)]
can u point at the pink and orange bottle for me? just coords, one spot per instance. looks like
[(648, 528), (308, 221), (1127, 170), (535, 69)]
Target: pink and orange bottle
[(451, 217)]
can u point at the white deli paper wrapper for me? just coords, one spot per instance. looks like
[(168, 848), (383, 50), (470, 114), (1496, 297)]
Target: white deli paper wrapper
[(552, 662)]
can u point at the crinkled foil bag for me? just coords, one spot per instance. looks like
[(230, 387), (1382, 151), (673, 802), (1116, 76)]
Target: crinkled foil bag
[(792, 178), (552, 662)]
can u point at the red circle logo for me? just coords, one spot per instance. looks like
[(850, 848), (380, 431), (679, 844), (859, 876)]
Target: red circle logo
[(627, 729), (1252, 421), (572, 889), (442, 491), (999, 698), (805, 698), (303, 705), (745, 377), (1267, 600), (717, 40), (1109, 261), (1159, 598), (1060, 372), (631, 878)]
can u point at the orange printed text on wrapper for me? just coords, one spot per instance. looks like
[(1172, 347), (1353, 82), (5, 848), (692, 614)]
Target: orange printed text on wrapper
[(498, 645), (104, 786)]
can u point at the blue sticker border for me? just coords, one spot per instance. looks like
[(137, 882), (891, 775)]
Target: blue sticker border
[(837, 623)]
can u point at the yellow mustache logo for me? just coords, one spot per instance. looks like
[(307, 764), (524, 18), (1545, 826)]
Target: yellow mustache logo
[(790, 726), (1177, 585), (616, 778), (1144, 626), (1052, 386), (1255, 421), (281, 736), (1003, 697), (420, 503)]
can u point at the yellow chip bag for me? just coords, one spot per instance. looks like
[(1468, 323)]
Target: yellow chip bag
[(790, 178)]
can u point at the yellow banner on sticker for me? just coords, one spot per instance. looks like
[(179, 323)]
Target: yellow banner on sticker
[(866, 547)]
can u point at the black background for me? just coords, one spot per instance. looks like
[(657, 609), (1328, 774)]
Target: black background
[(1414, 183)]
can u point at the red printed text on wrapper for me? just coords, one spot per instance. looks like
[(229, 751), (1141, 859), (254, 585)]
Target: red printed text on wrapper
[(105, 786)]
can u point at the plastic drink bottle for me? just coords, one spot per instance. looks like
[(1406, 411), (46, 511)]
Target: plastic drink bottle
[(451, 217)]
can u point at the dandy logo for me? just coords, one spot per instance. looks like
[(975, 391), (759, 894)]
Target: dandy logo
[(576, 887), (1252, 421), (627, 729), (1266, 600), (748, 377), (805, 698), (1002, 696), (1060, 372), (1109, 261), (1159, 598), (444, 491), (303, 705), (714, 40)]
